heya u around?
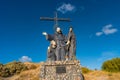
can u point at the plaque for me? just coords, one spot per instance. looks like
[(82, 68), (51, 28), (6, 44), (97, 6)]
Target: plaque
[(60, 69)]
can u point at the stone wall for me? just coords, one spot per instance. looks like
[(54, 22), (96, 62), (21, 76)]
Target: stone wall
[(61, 70)]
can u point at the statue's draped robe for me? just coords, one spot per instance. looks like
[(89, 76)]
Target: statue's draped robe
[(51, 54), (72, 45), (60, 40)]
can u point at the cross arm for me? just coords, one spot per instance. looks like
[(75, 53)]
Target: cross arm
[(64, 19), (47, 18), (54, 19)]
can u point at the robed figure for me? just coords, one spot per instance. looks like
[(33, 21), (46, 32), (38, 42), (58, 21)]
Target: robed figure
[(60, 40), (51, 51), (72, 44)]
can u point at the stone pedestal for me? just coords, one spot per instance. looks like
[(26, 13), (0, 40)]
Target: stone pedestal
[(61, 70)]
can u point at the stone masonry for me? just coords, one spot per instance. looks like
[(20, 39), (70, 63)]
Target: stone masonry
[(61, 70)]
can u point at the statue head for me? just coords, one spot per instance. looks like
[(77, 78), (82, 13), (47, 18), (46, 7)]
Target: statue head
[(53, 44), (58, 30)]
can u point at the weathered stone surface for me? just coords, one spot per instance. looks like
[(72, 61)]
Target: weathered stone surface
[(73, 70)]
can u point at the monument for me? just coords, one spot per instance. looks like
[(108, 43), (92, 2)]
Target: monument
[(61, 61)]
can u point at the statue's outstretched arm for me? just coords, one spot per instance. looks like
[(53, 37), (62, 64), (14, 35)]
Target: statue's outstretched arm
[(48, 36)]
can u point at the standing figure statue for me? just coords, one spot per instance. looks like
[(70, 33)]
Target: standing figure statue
[(60, 39), (72, 45)]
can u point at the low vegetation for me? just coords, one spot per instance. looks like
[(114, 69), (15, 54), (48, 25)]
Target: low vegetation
[(112, 65), (85, 70), (12, 68)]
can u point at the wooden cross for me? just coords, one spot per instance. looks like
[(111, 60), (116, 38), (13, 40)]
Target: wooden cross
[(55, 19)]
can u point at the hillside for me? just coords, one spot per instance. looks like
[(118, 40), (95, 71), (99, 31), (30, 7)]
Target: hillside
[(101, 75), (34, 71)]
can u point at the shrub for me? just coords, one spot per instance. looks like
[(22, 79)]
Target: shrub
[(112, 65), (85, 70), (11, 69), (1, 67)]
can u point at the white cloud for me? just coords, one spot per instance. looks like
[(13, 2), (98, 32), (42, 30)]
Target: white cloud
[(99, 33), (25, 59), (108, 29), (64, 8)]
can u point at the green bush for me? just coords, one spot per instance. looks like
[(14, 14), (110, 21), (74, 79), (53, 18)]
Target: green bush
[(85, 70), (5, 72), (112, 65), (1, 65), (11, 69)]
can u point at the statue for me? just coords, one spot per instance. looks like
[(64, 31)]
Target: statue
[(60, 39), (65, 47), (61, 49), (72, 45), (51, 51)]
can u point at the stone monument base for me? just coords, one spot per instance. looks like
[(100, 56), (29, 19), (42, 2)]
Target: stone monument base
[(61, 70)]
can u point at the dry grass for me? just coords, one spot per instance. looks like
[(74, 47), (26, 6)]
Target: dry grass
[(101, 75), (31, 74), (34, 71), (114, 76)]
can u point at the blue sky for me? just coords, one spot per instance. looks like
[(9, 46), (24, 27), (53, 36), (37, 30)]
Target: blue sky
[(95, 22)]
